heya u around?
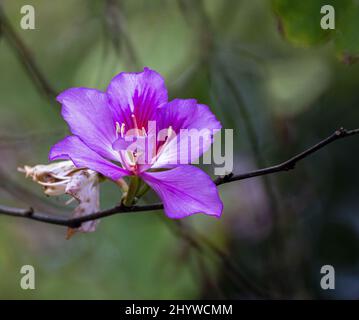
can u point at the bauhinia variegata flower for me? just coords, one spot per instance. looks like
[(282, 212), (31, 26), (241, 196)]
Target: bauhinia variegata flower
[(63, 177), (132, 130)]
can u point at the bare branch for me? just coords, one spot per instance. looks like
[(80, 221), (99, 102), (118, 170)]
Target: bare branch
[(76, 222), (290, 163)]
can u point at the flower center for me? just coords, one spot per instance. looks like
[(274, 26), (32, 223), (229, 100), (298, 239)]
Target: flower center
[(130, 158)]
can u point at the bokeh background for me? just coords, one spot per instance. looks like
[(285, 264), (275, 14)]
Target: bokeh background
[(266, 71)]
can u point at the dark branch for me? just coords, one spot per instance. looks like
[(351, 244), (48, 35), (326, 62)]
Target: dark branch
[(290, 163), (76, 222)]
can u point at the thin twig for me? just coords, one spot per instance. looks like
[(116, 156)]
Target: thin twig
[(290, 163), (117, 29), (76, 222), (26, 58)]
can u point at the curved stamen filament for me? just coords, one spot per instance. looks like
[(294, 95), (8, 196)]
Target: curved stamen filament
[(170, 133), (120, 129)]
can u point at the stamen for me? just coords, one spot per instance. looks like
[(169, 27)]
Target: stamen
[(53, 184), (123, 129), (120, 129), (134, 121), (169, 132), (70, 201), (131, 160)]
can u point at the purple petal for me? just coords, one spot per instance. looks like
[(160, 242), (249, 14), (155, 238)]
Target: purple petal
[(136, 93), (185, 190), (186, 113), (194, 125), (87, 113), (83, 157)]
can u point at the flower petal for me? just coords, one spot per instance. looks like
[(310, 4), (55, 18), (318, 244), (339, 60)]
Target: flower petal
[(185, 190), (194, 125), (186, 113), (84, 187), (89, 117), (136, 93), (82, 156)]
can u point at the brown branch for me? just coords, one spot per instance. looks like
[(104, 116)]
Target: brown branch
[(290, 163), (76, 222)]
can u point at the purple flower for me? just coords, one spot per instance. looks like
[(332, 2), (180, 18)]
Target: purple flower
[(114, 133)]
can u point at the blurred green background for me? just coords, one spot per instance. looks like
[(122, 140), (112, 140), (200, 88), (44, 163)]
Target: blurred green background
[(267, 72)]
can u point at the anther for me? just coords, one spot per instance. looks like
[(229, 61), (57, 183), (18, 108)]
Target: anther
[(120, 129)]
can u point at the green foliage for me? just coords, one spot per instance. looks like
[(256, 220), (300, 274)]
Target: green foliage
[(299, 21), (292, 97)]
